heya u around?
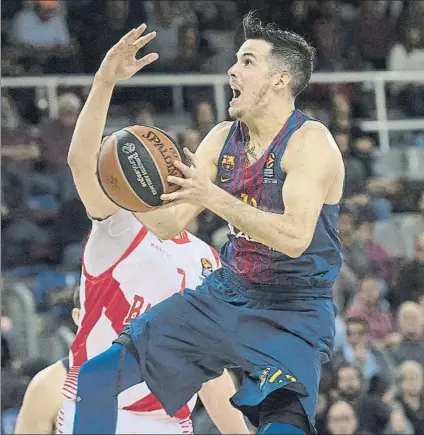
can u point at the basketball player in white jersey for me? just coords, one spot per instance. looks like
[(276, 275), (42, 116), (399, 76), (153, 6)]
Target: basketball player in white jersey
[(126, 269), (43, 399)]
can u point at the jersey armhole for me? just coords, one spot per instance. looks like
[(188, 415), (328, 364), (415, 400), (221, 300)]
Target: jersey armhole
[(233, 129)]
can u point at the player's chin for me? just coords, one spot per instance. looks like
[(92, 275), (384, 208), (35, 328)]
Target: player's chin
[(234, 112)]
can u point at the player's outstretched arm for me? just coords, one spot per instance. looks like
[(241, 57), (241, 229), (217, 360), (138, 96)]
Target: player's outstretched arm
[(120, 63), (312, 163), (42, 401), (215, 396), (169, 221)]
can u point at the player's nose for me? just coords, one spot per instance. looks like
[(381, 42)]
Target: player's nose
[(232, 71)]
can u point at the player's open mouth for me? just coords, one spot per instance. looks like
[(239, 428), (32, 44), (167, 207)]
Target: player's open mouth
[(236, 95)]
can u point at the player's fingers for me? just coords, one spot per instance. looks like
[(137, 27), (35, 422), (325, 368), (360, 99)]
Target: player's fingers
[(187, 171), (146, 60), (143, 40), (168, 204), (135, 33), (130, 37), (171, 196), (193, 158), (183, 182)]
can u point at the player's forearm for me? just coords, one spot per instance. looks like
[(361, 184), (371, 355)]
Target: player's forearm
[(168, 222), (277, 231), (90, 125), (215, 396)]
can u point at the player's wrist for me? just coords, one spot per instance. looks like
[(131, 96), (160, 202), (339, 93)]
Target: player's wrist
[(213, 197), (101, 80)]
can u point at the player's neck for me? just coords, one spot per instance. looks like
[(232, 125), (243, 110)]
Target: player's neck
[(263, 128)]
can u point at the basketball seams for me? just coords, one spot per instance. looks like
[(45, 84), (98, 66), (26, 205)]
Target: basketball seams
[(127, 129), (100, 174)]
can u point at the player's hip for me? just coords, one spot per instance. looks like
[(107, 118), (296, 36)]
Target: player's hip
[(226, 285), (129, 422)]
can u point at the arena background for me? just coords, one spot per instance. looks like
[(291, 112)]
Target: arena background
[(368, 88)]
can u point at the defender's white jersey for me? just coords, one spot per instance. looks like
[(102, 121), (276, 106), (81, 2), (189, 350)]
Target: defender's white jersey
[(126, 270)]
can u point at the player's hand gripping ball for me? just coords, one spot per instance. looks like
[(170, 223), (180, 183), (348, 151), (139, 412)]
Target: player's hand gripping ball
[(134, 164)]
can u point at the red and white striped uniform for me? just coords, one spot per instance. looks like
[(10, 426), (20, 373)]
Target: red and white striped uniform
[(126, 270)]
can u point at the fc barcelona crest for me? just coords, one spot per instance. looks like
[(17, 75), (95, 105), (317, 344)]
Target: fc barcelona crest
[(227, 163)]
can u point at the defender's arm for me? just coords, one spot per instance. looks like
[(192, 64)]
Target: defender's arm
[(85, 145), (311, 166)]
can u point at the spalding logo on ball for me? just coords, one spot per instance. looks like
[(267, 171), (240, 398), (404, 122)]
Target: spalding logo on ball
[(133, 166)]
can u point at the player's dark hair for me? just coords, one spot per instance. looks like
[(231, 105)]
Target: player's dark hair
[(76, 298), (290, 51)]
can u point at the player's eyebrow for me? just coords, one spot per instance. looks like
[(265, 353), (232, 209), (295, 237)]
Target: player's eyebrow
[(246, 53)]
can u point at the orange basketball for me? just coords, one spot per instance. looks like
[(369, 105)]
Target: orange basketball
[(133, 166)]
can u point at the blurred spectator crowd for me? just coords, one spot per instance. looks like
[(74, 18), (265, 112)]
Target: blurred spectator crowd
[(375, 382)]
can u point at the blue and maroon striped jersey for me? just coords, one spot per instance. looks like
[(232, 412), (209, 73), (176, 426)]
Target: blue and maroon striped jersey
[(260, 185)]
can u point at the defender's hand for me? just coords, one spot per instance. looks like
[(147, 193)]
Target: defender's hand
[(120, 62)]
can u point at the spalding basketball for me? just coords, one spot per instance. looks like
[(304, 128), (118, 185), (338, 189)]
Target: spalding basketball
[(133, 166)]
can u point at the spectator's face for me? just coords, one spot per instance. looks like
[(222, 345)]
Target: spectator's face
[(412, 378), (326, 37), (411, 321), (369, 292), (204, 113), (322, 404), (346, 227), (144, 117), (341, 105), (356, 334), (349, 383), (365, 231), (300, 9), (68, 117), (341, 419), (342, 141), (190, 38), (413, 36), (45, 13), (118, 9), (165, 11), (191, 139)]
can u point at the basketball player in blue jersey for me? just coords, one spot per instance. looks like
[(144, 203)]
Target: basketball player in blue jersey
[(276, 175)]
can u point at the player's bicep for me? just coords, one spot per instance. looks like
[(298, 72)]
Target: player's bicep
[(95, 201), (310, 175)]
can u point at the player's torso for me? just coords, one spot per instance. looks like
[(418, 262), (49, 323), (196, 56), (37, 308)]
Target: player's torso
[(260, 185), (126, 270)]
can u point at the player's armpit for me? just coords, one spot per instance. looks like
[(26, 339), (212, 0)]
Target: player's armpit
[(215, 396), (315, 174), (168, 221), (42, 401), (85, 145)]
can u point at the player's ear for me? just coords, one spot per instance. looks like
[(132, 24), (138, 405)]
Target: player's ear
[(75, 315), (282, 80)]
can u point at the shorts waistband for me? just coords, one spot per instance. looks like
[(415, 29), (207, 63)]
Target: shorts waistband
[(274, 292)]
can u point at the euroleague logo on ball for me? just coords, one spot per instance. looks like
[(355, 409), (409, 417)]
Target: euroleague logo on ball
[(128, 148)]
